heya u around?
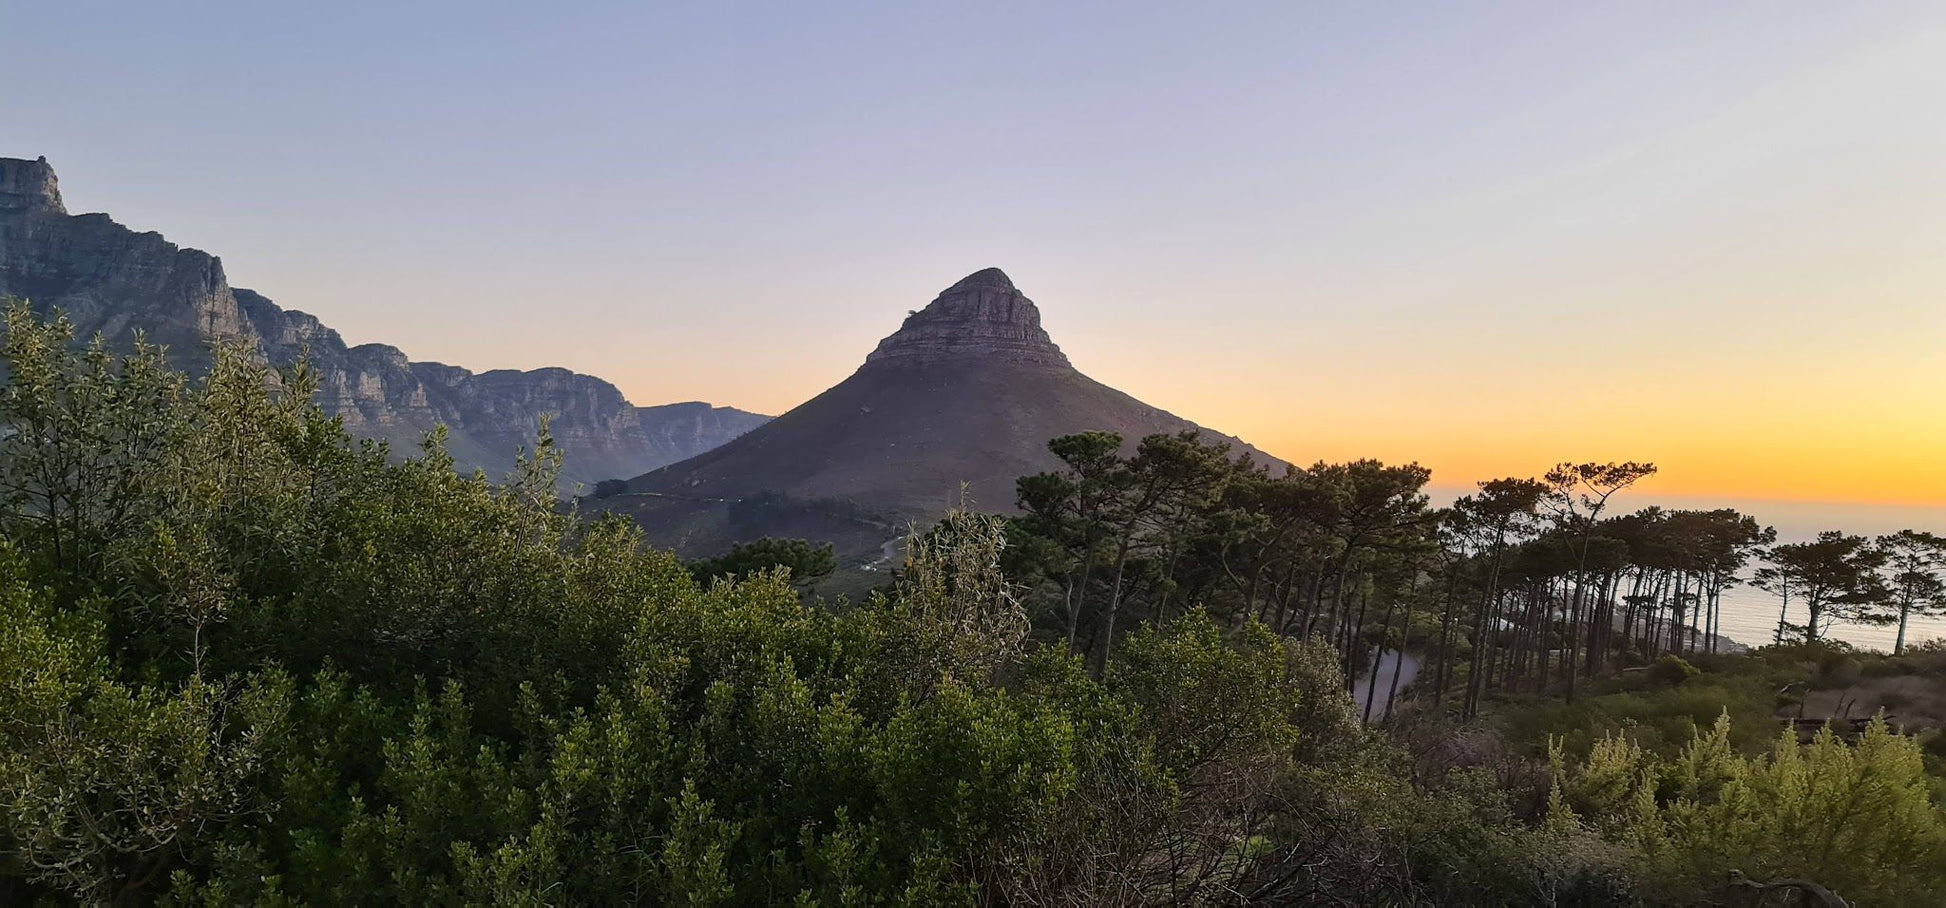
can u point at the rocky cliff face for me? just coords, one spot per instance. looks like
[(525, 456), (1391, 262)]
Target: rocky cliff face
[(114, 281), (106, 277), (982, 317), (29, 186)]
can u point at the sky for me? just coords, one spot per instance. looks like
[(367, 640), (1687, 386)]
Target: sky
[(1485, 237)]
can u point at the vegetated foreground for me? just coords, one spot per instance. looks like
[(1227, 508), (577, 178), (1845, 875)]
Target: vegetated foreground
[(245, 659)]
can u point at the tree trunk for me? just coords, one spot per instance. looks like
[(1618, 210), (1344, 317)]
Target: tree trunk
[(1398, 662), (1081, 594), (1440, 675), (1905, 611), (1371, 690), (1114, 601)]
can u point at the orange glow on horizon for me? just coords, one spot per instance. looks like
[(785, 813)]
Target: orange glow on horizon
[(1833, 431)]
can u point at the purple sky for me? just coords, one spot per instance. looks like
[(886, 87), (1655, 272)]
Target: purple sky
[(1486, 237)]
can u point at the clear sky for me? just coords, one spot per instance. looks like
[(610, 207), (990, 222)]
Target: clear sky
[(1485, 237)]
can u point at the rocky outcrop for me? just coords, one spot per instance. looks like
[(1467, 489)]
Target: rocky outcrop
[(114, 281), (29, 186), (982, 317), (109, 279)]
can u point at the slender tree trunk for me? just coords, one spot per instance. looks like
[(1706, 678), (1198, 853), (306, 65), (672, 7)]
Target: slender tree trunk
[(1504, 642), (1475, 679), (1250, 590), (1715, 629), (1540, 606), (1905, 611), (1571, 635), (1355, 628), (1599, 620), (1270, 597), (1440, 674), (1398, 662), (1519, 642), (1544, 642), (1114, 601), (1169, 573), (1371, 690), (1343, 636), (1633, 609), (1611, 593), (1338, 610), (1072, 608), (1682, 616), (1482, 657), (1081, 594), (1284, 598), (1657, 604)]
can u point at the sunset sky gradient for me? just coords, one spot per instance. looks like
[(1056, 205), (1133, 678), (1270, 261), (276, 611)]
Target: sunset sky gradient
[(1483, 237)]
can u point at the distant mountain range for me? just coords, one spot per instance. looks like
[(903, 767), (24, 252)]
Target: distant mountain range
[(115, 281), (960, 401), (964, 396)]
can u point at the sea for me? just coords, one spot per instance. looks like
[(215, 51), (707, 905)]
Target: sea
[(1749, 615)]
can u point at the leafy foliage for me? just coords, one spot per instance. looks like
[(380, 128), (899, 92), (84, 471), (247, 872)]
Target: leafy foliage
[(1854, 817), (803, 561), (1671, 669)]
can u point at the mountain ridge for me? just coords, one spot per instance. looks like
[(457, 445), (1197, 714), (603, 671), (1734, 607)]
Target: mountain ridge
[(113, 280)]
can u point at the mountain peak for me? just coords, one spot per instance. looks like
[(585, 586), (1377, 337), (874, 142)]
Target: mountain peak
[(982, 317), (953, 407), (992, 278), (29, 186)]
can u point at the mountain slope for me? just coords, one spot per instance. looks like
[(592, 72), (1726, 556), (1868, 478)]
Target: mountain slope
[(111, 280), (965, 394)]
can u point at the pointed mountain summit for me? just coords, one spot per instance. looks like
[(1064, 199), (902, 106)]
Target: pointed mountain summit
[(983, 316), (965, 395)]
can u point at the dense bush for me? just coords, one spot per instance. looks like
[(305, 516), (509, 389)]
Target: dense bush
[(1856, 819), (802, 561), (1655, 716), (1671, 669)]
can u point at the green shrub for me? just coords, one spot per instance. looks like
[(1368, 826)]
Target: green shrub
[(1671, 670), (1856, 818), (1886, 667), (1839, 669)]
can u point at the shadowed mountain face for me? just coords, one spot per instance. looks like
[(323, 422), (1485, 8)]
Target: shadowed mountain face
[(966, 393), (114, 281)]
